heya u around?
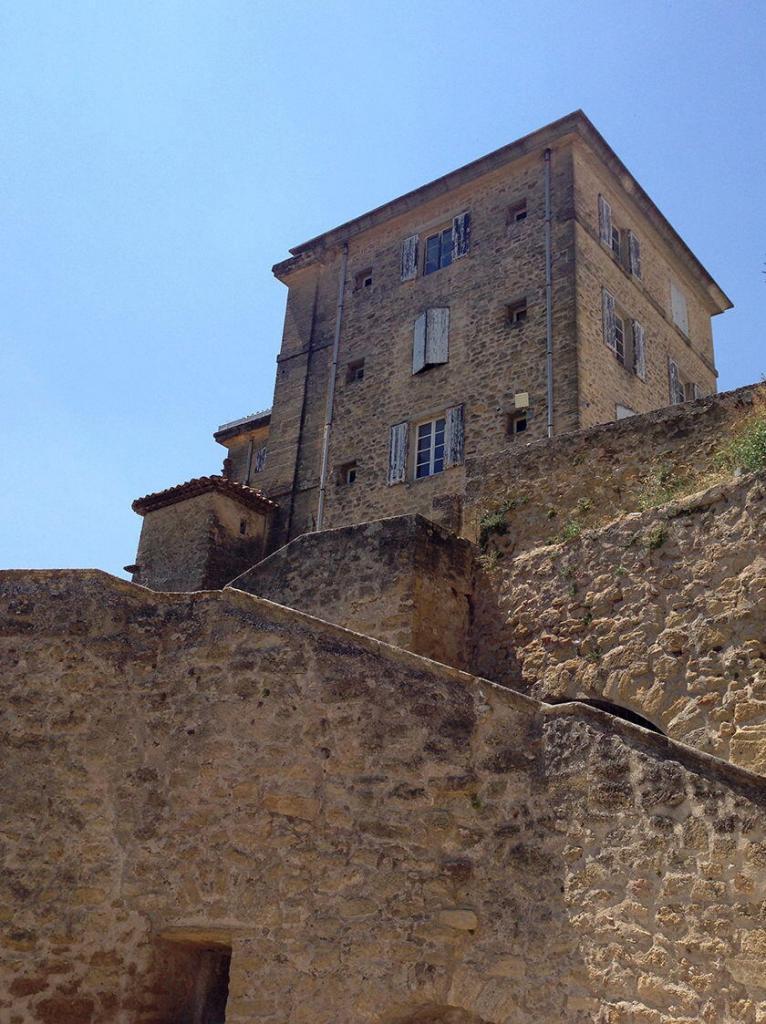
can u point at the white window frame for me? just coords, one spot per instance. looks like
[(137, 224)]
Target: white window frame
[(430, 464), (440, 235)]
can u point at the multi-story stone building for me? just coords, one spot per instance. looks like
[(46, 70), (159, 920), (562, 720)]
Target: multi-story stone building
[(535, 291)]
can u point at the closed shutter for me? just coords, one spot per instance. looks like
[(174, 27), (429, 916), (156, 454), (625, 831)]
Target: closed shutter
[(461, 235), (419, 344), (676, 390), (437, 336), (608, 316), (678, 308), (604, 221), (409, 258), (454, 436), (639, 350), (260, 459), (634, 255), (397, 454)]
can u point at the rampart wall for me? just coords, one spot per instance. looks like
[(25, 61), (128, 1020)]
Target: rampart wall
[(374, 837)]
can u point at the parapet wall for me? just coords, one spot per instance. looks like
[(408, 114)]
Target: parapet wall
[(375, 838), (542, 487)]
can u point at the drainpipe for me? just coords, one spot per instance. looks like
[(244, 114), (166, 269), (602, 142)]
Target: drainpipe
[(548, 294), (331, 390)]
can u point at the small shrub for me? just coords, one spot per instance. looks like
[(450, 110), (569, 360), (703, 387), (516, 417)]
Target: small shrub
[(551, 513), (571, 529), (583, 506), (488, 560), (656, 537), (660, 486), (620, 571), (747, 449)]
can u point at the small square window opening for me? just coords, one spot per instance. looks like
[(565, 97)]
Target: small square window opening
[(438, 251), (518, 212), (243, 527), (429, 455), (517, 312), (355, 371), (517, 423), (347, 474), (363, 280)]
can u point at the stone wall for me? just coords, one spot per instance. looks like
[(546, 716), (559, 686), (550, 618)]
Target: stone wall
[(403, 580), (374, 837), (661, 612), (539, 490)]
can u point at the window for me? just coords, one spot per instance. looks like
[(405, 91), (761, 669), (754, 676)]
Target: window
[(429, 455), (243, 527), (363, 280), (347, 474), (616, 248), (438, 251), (430, 339), (676, 385), (678, 308), (517, 422), (439, 444), (518, 212), (517, 312), (619, 338), (623, 336), (627, 255), (355, 371)]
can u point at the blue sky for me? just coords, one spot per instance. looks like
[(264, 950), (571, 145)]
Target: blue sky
[(158, 156)]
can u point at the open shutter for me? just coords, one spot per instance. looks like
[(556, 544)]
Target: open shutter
[(678, 308), (676, 393), (397, 453), (604, 221), (639, 350), (409, 258), (461, 235), (419, 344), (634, 255), (437, 336), (608, 314), (453, 436)]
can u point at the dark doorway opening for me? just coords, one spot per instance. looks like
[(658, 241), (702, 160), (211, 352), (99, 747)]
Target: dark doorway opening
[(195, 983)]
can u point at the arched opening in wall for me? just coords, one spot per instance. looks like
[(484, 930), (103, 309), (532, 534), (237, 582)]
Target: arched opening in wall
[(613, 709), (193, 974)]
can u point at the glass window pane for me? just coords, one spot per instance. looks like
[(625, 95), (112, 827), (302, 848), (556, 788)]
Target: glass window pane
[(432, 254), (446, 248)]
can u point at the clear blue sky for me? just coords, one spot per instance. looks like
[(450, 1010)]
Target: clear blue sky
[(158, 156)]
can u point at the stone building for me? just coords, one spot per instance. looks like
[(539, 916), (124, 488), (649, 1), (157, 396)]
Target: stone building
[(389, 771), (535, 291)]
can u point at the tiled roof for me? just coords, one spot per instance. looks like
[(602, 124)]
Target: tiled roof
[(203, 485)]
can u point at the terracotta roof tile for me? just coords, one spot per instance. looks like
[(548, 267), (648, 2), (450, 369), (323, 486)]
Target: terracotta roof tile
[(203, 485)]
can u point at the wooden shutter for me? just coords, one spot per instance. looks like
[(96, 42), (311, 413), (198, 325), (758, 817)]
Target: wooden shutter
[(409, 258), (437, 336), (604, 221), (678, 308), (608, 314), (634, 255), (419, 344), (461, 235), (454, 436), (676, 392), (639, 350), (397, 453), (696, 391)]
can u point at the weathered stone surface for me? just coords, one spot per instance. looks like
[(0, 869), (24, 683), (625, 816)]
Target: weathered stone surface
[(157, 747)]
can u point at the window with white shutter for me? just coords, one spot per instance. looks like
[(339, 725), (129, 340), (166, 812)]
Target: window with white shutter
[(397, 453), (430, 450), (609, 318), (454, 442), (409, 258), (677, 395), (604, 221), (461, 235), (639, 350), (430, 340), (634, 255), (678, 308)]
